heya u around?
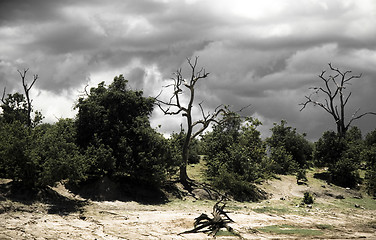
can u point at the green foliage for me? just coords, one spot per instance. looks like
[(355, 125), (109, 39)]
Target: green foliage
[(42, 156), (238, 149), (114, 121), (286, 138), (329, 149), (281, 162), (15, 109), (233, 185), (308, 198), (177, 141), (235, 156), (291, 230), (55, 153), (369, 157), (341, 156), (15, 162)]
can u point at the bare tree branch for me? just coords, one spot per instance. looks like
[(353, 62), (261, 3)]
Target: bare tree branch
[(2, 98)]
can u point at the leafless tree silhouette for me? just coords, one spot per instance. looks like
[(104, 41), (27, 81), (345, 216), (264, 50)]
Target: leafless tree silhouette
[(335, 98)]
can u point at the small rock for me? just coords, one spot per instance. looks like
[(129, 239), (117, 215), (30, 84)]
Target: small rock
[(340, 197)]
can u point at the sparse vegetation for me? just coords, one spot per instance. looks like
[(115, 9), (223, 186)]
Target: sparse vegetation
[(291, 230)]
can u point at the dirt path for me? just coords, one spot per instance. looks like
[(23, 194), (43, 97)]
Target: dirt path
[(119, 220), (329, 218)]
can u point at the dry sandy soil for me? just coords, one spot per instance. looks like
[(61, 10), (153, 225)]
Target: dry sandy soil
[(280, 217)]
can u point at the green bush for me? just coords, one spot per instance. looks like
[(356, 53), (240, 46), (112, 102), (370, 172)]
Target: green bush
[(239, 189), (369, 157), (15, 160), (56, 154), (308, 198), (295, 144), (281, 161), (41, 156), (113, 128), (341, 155), (236, 157)]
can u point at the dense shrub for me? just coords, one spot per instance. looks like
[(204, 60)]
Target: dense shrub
[(15, 160), (369, 157), (114, 120), (285, 138), (308, 198), (54, 150), (281, 161), (236, 157), (233, 185), (341, 156), (41, 156)]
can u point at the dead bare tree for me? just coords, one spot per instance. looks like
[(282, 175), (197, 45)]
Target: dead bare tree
[(336, 98), (27, 92), (174, 106), (29, 109)]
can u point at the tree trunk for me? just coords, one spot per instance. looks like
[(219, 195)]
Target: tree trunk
[(183, 176), (185, 153)]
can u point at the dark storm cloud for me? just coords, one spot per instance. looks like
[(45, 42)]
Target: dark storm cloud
[(18, 11), (264, 53)]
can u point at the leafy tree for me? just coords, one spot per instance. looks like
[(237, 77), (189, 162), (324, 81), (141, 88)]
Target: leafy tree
[(114, 120), (281, 161), (286, 141), (328, 149), (236, 157), (341, 156), (217, 143), (40, 157), (55, 153), (15, 162)]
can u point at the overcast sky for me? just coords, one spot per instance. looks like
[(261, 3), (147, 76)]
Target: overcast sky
[(264, 53)]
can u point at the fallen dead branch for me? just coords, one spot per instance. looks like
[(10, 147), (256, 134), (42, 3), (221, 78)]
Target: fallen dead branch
[(205, 224)]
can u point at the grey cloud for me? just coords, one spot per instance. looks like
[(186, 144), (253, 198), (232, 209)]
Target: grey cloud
[(136, 78), (16, 11), (268, 62), (67, 38)]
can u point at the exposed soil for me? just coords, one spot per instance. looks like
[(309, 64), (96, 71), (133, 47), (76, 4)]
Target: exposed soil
[(336, 214)]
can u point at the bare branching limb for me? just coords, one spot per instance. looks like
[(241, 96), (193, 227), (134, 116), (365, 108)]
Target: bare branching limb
[(3, 96), (336, 98)]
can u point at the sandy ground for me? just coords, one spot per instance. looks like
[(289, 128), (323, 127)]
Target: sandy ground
[(131, 220)]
